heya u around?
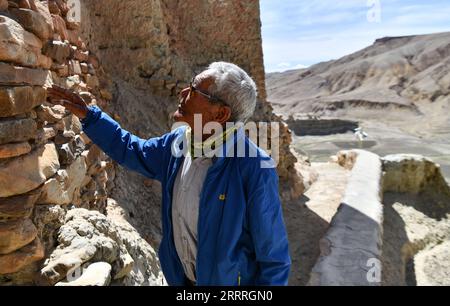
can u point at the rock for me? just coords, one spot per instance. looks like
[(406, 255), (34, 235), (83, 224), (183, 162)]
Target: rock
[(89, 236), (12, 75), (414, 174), (145, 269), (17, 207), (96, 274), (33, 22), (72, 25), (51, 113), (43, 9), (19, 46), (74, 67), (17, 260), (53, 8), (27, 4), (26, 173), (82, 56), (62, 5), (74, 38), (17, 130), (84, 68), (57, 50), (61, 70), (61, 188), (433, 266), (71, 123), (3, 5), (48, 219), (16, 234), (18, 100), (14, 149), (44, 135), (92, 81), (60, 27)]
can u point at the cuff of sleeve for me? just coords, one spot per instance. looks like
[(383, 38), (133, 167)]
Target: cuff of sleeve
[(93, 114)]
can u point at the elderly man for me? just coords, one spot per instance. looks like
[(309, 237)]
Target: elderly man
[(221, 216)]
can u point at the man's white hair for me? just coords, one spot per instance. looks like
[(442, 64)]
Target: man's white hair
[(233, 86)]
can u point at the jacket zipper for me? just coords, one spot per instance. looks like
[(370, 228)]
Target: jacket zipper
[(239, 278)]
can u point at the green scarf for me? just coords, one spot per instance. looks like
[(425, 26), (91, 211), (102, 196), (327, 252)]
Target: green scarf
[(210, 143)]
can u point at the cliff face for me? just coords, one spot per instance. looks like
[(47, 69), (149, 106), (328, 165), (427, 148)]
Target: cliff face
[(131, 58)]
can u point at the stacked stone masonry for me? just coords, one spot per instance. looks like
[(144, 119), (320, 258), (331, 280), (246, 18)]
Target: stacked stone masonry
[(46, 163)]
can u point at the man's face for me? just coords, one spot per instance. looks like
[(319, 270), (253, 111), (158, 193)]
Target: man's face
[(195, 103)]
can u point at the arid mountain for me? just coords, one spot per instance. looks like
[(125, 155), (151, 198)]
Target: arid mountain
[(410, 75)]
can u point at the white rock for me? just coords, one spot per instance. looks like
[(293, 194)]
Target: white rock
[(96, 274)]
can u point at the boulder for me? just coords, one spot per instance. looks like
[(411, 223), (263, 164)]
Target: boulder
[(13, 262), (14, 149), (96, 274), (61, 188), (42, 8), (53, 7), (17, 130), (50, 113), (59, 51), (17, 207), (27, 172), (60, 27), (16, 234), (18, 100), (34, 22), (19, 46), (89, 236), (413, 173), (12, 75)]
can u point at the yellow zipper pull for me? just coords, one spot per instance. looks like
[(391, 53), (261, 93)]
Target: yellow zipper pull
[(239, 278)]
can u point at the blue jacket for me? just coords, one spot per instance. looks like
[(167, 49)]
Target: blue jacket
[(241, 233)]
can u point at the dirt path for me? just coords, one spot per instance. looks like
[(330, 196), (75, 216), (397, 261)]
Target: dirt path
[(307, 219)]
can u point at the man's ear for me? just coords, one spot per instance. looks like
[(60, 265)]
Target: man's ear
[(223, 114)]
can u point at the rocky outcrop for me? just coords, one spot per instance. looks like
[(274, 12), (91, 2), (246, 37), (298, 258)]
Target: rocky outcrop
[(119, 254), (414, 174), (417, 224)]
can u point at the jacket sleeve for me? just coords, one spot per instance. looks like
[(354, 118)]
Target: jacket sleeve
[(144, 156), (267, 228)]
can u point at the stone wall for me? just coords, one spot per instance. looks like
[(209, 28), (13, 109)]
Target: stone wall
[(47, 165)]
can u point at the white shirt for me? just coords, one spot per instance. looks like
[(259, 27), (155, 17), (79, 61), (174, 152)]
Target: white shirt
[(185, 208)]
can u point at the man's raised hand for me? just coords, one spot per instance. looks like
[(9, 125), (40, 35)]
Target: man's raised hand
[(69, 99)]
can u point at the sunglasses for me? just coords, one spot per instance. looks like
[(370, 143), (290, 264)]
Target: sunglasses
[(213, 99)]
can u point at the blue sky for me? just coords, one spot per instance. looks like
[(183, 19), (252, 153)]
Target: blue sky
[(299, 33)]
